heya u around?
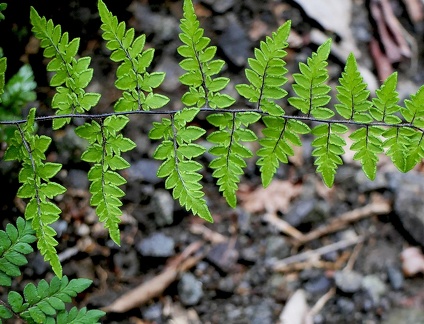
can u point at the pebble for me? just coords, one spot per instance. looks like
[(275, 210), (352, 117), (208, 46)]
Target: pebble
[(408, 204), (276, 247), (220, 6), (405, 316), (156, 245), (374, 286), (235, 43), (77, 179), (190, 289), (348, 281), (163, 206), (318, 285), (144, 170), (345, 305), (396, 277), (153, 313)]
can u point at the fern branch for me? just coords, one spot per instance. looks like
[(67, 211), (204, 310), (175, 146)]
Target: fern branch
[(71, 75), (35, 177), (132, 76)]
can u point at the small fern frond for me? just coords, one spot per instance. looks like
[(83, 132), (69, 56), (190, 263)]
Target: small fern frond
[(328, 149), (275, 145), (42, 303), (35, 177), (368, 145), (14, 244), (229, 163), (71, 75), (132, 77), (200, 66), (177, 150), (352, 94), (105, 147), (266, 73), (310, 87), (414, 115), (385, 105)]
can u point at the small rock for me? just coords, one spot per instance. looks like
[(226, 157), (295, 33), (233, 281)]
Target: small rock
[(276, 247), (223, 255), (235, 43), (348, 281), (127, 263), (408, 204), (144, 170), (173, 71), (190, 289), (345, 305), (77, 179), (374, 286), (82, 230), (262, 313), (163, 206), (153, 313), (220, 6), (299, 211), (396, 277), (156, 245), (318, 285)]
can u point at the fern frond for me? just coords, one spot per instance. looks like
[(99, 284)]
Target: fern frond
[(42, 303), (229, 164), (178, 150), (368, 145), (328, 149), (200, 66), (414, 115), (352, 94), (266, 73), (105, 147), (35, 177), (14, 244), (310, 87), (275, 145), (132, 76), (71, 75)]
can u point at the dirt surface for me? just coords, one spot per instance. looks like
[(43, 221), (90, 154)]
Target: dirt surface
[(296, 252)]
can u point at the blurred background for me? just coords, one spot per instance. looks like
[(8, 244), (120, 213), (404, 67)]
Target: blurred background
[(295, 252)]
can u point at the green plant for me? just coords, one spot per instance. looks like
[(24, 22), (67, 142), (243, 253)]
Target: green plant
[(44, 302), (382, 125)]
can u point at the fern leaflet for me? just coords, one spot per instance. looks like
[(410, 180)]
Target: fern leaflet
[(35, 177), (71, 75)]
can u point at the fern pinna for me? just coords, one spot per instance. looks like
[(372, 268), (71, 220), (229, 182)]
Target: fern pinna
[(381, 124)]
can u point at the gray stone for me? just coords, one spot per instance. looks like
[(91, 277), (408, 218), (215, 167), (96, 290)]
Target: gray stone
[(163, 206), (408, 202), (348, 281), (375, 287), (189, 289), (156, 245), (277, 247), (144, 170), (220, 6), (396, 277)]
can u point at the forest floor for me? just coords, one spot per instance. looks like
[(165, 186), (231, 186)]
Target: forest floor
[(295, 252)]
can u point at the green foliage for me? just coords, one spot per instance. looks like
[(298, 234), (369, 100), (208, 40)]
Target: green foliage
[(382, 124), (71, 75), (132, 76), (3, 7), (14, 244), (45, 303), (35, 176), (104, 150), (18, 91)]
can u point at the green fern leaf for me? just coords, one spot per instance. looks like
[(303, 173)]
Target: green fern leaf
[(266, 73), (200, 66), (229, 164), (106, 146), (368, 145), (71, 75), (353, 94), (328, 149), (132, 75), (385, 105), (310, 87), (275, 146), (36, 185)]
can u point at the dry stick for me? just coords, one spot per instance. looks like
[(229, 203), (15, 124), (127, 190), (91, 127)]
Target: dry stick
[(283, 226), (155, 286), (282, 265), (376, 208)]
